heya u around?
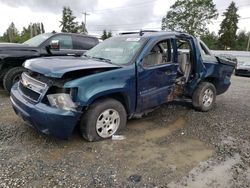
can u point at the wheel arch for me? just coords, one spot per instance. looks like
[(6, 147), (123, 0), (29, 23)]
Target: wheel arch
[(213, 80), (119, 96)]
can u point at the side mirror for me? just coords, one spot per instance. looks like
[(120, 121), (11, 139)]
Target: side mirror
[(55, 45)]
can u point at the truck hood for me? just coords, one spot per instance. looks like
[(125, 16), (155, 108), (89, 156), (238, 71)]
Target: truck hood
[(9, 50), (14, 46), (57, 66)]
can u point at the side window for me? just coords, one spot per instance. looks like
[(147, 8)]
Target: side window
[(160, 54), (65, 41), (84, 43)]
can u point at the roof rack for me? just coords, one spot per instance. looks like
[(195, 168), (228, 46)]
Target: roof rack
[(141, 32)]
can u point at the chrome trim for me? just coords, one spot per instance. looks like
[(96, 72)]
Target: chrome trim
[(33, 85)]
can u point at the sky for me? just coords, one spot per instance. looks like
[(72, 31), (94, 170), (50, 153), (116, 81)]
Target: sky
[(114, 15)]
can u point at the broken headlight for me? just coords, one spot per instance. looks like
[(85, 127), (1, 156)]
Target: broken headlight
[(62, 100)]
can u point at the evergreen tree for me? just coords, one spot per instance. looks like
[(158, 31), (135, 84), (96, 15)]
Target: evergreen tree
[(25, 34), (42, 28), (228, 27), (68, 23), (241, 41), (210, 39), (109, 34), (190, 16), (82, 28), (11, 34), (35, 29), (104, 35)]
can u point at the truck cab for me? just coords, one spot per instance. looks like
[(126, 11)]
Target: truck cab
[(123, 77)]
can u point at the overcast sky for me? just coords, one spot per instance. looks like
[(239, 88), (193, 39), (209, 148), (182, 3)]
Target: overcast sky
[(117, 15)]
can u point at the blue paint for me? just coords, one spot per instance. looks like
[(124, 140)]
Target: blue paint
[(140, 88)]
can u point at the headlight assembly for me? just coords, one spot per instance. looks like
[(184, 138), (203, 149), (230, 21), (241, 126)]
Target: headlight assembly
[(62, 100)]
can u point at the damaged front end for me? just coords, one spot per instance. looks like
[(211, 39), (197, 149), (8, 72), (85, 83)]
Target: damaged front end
[(45, 104), (54, 114)]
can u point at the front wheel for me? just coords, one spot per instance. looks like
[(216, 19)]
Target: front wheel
[(11, 77), (204, 96), (103, 119)]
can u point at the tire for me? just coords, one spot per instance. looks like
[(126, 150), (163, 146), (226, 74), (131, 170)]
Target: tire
[(2, 73), (11, 77), (204, 97), (102, 110)]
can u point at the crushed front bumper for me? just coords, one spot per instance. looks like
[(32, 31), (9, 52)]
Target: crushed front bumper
[(57, 122)]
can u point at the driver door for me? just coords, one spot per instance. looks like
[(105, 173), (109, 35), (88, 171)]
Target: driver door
[(156, 75)]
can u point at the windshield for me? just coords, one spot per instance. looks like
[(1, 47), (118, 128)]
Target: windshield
[(117, 50), (37, 40)]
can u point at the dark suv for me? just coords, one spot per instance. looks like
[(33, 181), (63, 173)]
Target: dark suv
[(13, 55)]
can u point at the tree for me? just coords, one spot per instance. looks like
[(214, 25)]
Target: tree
[(104, 35), (228, 27), (82, 28), (241, 41), (210, 39), (68, 23), (25, 34), (32, 30), (11, 34), (109, 34), (42, 28), (190, 16)]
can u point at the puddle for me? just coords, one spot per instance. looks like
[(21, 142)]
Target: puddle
[(188, 152), (207, 176), (145, 148), (179, 154), (165, 131)]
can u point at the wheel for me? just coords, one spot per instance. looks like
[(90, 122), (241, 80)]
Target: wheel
[(11, 77), (204, 96), (103, 119)]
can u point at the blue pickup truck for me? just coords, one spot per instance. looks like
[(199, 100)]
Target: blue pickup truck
[(123, 77)]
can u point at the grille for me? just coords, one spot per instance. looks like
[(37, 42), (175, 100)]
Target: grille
[(31, 88), (29, 93)]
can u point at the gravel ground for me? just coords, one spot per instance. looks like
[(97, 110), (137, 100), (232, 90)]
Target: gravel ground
[(174, 146)]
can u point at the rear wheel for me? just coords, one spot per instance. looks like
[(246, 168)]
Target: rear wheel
[(11, 77), (204, 96), (103, 119)]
